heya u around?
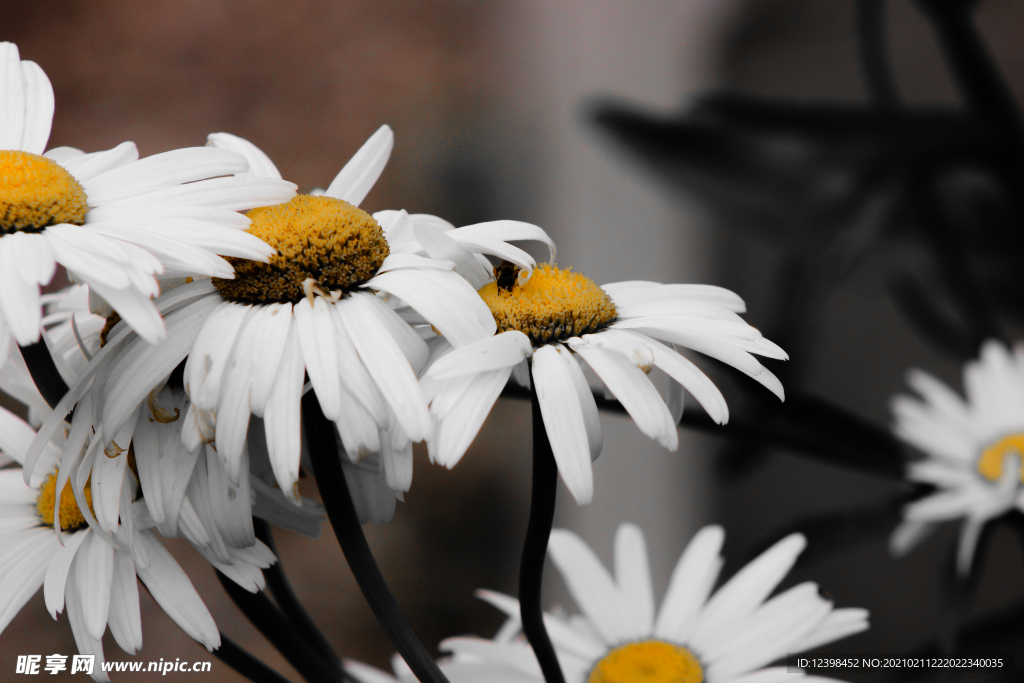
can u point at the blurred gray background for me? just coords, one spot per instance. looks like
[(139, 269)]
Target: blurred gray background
[(489, 105)]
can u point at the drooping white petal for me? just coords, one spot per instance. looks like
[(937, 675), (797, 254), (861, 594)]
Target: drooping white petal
[(57, 572), (125, 616), (281, 419), (26, 263), (361, 314), (591, 417), (173, 591), (315, 326), (460, 426), (634, 390), (94, 568), (501, 351), (444, 299), (440, 246), (564, 422)]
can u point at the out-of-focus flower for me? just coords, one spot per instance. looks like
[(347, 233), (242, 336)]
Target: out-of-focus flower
[(113, 220), (729, 635), (557, 315), (973, 446)]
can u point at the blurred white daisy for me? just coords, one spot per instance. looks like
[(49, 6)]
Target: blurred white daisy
[(312, 311), (974, 448), (728, 635), (556, 317), (113, 220), (90, 572)]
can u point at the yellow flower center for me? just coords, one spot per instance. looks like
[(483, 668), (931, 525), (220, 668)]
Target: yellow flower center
[(36, 192), (553, 305), (990, 464), (71, 518), (328, 241), (649, 661)]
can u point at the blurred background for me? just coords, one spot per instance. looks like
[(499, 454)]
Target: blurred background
[(494, 109)]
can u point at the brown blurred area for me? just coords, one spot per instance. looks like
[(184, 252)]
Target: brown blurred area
[(486, 102)]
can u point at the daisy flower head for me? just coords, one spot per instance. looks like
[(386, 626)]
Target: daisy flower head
[(973, 448), (330, 304), (697, 635), (51, 540), (554, 318), (113, 220)]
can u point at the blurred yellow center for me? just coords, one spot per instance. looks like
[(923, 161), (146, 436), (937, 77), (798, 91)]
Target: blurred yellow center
[(649, 661), (321, 242), (70, 515), (553, 305), (36, 192), (990, 464)]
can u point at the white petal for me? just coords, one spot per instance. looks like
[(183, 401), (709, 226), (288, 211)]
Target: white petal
[(173, 591), (38, 108), (744, 592), (456, 432), (362, 315), (162, 171), (315, 328), (282, 416), (236, 193), (592, 419), (505, 231), (691, 583), (631, 386), (23, 268), (85, 167), (444, 299), (633, 576), (356, 180), (94, 567), (12, 97), (211, 351), (564, 422), (501, 351), (259, 163), (591, 586), (57, 572), (268, 352), (440, 246), (125, 615)]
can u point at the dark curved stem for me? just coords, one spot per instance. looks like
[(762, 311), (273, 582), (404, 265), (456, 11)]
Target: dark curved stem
[(535, 547), (269, 621), (289, 603), (245, 664), (330, 479), (972, 66), (50, 384), (874, 63)]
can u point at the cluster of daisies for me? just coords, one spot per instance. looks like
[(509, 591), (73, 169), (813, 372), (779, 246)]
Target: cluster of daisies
[(209, 297)]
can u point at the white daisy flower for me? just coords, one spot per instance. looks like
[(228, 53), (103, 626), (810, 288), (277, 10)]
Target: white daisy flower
[(724, 636), (974, 448), (91, 572), (554, 317), (113, 220), (251, 341)]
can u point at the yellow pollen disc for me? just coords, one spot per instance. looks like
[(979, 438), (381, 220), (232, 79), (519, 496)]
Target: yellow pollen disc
[(649, 661), (70, 515), (327, 240), (990, 464), (553, 305), (36, 192)]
